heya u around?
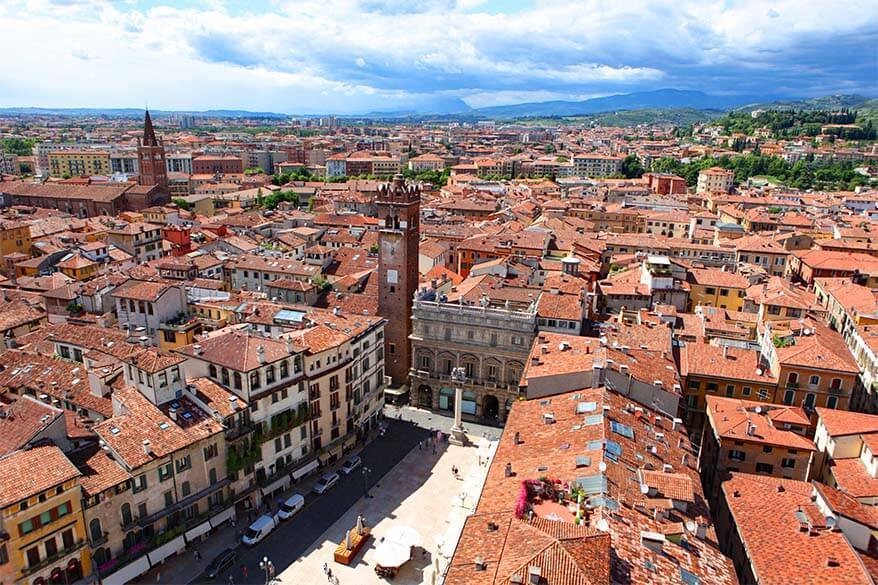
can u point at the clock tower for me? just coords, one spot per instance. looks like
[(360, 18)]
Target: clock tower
[(398, 208)]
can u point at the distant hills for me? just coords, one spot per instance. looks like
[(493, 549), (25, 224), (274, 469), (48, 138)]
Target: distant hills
[(658, 106), (660, 98)]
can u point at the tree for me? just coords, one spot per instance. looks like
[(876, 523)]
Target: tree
[(182, 203), (632, 168), (17, 146), (549, 148)]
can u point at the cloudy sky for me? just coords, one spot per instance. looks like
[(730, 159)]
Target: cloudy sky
[(350, 56)]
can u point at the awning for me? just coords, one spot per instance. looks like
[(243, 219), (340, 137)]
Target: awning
[(281, 484), (194, 533), (166, 550), (396, 391), (223, 516), (129, 572), (305, 469)]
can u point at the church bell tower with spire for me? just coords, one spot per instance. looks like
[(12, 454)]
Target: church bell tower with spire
[(151, 158)]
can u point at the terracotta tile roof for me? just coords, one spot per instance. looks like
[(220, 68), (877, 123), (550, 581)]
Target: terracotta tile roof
[(215, 396), (18, 480), (560, 306), (238, 350), (593, 437), (845, 505), (702, 359), (99, 470), (732, 419), (57, 378), (22, 420), (766, 512), (138, 420), (141, 290), (851, 476), (824, 349), (839, 423)]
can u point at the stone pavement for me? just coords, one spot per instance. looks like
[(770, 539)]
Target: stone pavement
[(420, 492)]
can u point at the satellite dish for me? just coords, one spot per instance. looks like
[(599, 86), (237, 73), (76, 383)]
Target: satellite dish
[(691, 526), (758, 371), (758, 410), (602, 466), (644, 489)]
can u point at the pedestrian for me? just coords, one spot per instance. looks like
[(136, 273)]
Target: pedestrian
[(244, 571), (326, 570), (419, 445), (158, 576), (231, 579), (329, 575), (434, 447), (197, 555)]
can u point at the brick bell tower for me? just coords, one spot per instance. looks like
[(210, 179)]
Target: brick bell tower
[(398, 208), (151, 158)]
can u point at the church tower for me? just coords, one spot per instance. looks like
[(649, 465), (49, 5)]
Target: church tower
[(151, 158), (398, 208)]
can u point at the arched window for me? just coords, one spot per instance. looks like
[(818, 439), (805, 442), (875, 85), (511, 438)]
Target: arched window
[(814, 381), (255, 380), (269, 375), (284, 369), (237, 378), (95, 530), (212, 371), (225, 375)]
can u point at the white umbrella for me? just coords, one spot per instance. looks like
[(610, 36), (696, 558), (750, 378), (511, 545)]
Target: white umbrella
[(404, 535), (391, 554)]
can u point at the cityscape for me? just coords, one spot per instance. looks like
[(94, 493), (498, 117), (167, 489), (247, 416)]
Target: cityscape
[(439, 292)]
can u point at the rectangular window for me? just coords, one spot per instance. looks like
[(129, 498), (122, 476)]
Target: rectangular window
[(184, 463), (736, 455), (51, 547), (730, 390), (33, 556), (278, 446), (166, 472), (169, 498), (788, 463), (745, 391), (764, 468)]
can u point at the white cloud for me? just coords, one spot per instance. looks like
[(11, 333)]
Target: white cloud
[(309, 55)]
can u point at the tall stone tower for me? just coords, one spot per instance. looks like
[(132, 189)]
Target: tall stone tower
[(398, 208), (151, 158)]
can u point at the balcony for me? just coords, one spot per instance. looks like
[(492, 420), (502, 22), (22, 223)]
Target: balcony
[(96, 542), (52, 559)]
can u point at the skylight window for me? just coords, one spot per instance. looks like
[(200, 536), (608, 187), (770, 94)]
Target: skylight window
[(164, 426), (584, 407)]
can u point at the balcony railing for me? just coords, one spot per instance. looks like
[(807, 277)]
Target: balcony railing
[(52, 559)]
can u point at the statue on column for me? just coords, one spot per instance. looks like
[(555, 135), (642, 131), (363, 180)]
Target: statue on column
[(458, 435)]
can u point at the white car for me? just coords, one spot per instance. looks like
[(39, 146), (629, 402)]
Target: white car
[(260, 528), (291, 506), (325, 482), (351, 464)]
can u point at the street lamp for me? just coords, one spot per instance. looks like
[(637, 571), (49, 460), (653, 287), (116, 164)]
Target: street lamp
[(366, 471), (267, 566)]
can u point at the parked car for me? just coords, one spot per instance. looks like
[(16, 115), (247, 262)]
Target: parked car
[(351, 464), (325, 482), (225, 560), (291, 506), (260, 528)]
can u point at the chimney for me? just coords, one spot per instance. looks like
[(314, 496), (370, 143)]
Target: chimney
[(751, 429), (675, 423), (289, 344), (197, 349), (508, 470), (147, 449), (725, 352), (172, 412), (517, 438), (260, 354), (233, 402), (336, 311), (596, 375)]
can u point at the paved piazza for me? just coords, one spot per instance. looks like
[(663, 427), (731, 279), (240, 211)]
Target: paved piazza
[(420, 492)]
